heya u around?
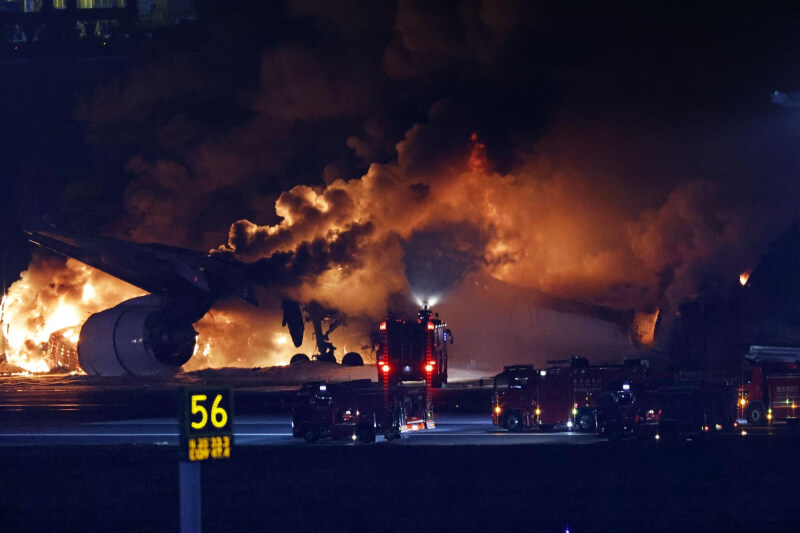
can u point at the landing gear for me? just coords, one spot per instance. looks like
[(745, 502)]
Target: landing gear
[(352, 359), (299, 358)]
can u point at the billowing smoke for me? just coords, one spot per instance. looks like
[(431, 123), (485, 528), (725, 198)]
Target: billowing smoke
[(437, 259), (452, 154)]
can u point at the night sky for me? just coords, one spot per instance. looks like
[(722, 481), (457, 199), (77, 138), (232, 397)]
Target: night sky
[(623, 153)]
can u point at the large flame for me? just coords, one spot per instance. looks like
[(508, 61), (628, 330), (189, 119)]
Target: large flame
[(50, 296)]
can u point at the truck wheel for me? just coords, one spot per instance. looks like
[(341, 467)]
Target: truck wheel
[(614, 432), (756, 414), (299, 358), (366, 435), (585, 422), (514, 422), (392, 434), (311, 435), (352, 359)]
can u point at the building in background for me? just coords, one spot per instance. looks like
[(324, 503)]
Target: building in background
[(85, 26)]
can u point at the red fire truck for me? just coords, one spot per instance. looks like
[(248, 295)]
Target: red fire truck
[(358, 410), (562, 395), (770, 387), (414, 350)]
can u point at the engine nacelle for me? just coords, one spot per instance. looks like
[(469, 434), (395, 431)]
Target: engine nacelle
[(137, 337)]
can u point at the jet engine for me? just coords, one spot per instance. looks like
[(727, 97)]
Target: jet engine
[(138, 337)]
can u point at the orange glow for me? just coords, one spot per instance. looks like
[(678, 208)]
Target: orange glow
[(52, 297), (644, 326), (743, 278), (477, 157)]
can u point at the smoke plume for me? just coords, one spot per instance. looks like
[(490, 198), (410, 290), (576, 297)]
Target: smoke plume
[(480, 152)]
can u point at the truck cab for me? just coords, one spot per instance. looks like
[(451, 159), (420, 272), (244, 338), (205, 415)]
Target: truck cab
[(514, 405)]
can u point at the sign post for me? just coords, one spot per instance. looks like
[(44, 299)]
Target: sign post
[(205, 417)]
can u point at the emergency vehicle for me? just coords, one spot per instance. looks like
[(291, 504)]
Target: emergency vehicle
[(359, 410), (414, 350), (770, 388), (563, 395)]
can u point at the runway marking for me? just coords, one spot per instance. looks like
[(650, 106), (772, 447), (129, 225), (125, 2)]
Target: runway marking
[(130, 435), (430, 433)]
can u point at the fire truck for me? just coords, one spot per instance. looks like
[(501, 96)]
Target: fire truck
[(564, 395), (414, 350), (770, 388), (359, 410)]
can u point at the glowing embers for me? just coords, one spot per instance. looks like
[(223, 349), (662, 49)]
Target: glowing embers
[(744, 277), (478, 161)]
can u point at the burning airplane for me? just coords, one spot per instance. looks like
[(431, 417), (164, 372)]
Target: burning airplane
[(152, 333)]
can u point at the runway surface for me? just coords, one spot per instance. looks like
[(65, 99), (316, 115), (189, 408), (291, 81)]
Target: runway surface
[(272, 430)]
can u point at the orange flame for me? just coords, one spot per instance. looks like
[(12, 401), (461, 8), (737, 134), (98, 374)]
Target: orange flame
[(744, 277), (477, 158)]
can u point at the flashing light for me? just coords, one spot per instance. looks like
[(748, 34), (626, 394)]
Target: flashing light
[(542, 372), (744, 432), (431, 363), (743, 402), (429, 368), (736, 424), (323, 387), (569, 424), (574, 412), (769, 416), (385, 368), (705, 428), (497, 409), (626, 386), (430, 326), (383, 326), (658, 437), (538, 411), (414, 427), (354, 437)]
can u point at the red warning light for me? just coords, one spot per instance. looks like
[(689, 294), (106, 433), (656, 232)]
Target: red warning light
[(383, 326), (430, 326), (385, 368)]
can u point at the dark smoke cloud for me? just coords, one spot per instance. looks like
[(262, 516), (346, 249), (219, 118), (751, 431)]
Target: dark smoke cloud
[(627, 158), (309, 259)]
